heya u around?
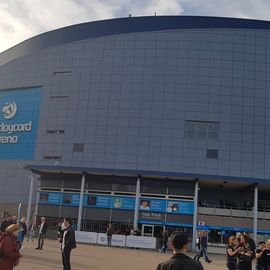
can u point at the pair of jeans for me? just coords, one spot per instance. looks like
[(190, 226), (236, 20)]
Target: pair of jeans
[(41, 237), (164, 248), (203, 252), (109, 239)]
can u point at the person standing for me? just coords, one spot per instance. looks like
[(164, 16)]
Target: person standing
[(180, 260), (31, 232), (23, 231), (8, 244), (203, 247), (109, 235), (5, 223), (198, 245), (60, 230), (41, 234), (164, 242), (68, 242), (266, 256), (245, 255), (251, 243), (259, 257), (232, 252), (14, 220)]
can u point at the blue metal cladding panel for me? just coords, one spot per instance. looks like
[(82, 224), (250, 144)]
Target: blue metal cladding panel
[(19, 118), (129, 96), (123, 26)]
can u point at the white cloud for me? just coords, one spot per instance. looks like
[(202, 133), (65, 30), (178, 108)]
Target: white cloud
[(21, 19), (252, 9)]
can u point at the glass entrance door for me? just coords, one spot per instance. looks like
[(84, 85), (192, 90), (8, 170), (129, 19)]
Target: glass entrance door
[(148, 230)]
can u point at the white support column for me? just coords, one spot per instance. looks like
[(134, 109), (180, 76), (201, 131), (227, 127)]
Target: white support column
[(194, 232), (255, 213), (137, 200), (30, 199), (81, 204), (36, 206)]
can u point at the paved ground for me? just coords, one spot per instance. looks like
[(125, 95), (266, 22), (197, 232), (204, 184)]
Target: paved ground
[(99, 258)]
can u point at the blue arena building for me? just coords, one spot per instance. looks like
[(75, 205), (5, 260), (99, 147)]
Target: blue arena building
[(159, 121)]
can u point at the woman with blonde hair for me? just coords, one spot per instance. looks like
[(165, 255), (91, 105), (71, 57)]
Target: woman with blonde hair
[(232, 251), (8, 247)]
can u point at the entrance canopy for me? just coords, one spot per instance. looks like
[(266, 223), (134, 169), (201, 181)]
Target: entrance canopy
[(203, 179)]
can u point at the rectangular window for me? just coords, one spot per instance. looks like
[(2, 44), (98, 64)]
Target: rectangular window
[(63, 72), (59, 97), (55, 131), (52, 157), (78, 147), (212, 153), (201, 130)]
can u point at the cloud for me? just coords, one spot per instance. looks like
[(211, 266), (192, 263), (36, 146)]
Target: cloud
[(22, 19), (250, 9)]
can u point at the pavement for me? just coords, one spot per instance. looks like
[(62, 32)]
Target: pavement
[(99, 258)]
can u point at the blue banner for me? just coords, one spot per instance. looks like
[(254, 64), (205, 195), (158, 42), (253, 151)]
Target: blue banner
[(152, 205), (124, 203), (71, 199), (19, 117), (118, 202), (180, 207), (99, 201)]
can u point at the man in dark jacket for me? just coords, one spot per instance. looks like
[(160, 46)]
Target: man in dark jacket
[(179, 259), (68, 243)]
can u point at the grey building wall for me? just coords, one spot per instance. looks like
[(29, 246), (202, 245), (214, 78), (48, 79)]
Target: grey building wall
[(129, 96)]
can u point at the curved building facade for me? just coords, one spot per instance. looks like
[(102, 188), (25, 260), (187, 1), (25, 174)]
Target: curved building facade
[(174, 101)]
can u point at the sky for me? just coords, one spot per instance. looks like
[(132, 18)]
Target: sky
[(22, 19)]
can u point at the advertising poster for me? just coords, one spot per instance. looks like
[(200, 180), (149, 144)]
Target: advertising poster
[(19, 118)]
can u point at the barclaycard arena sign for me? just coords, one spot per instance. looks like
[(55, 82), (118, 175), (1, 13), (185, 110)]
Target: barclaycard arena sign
[(19, 115)]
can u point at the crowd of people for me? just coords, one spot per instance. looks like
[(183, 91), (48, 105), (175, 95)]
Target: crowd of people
[(241, 250), (14, 231)]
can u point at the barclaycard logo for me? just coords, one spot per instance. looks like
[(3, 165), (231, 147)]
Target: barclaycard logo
[(9, 110)]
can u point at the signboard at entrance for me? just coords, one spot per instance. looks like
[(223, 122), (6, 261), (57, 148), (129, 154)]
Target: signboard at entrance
[(150, 209), (19, 116), (161, 206)]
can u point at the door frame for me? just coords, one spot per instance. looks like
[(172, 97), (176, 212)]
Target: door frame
[(148, 234)]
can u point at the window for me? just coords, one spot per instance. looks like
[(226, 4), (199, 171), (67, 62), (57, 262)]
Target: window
[(58, 97), (63, 72), (78, 147), (201, 130), (212, 153), (52, 157), (55, 131)]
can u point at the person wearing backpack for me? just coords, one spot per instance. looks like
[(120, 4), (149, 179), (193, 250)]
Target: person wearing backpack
[(9, 253)]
